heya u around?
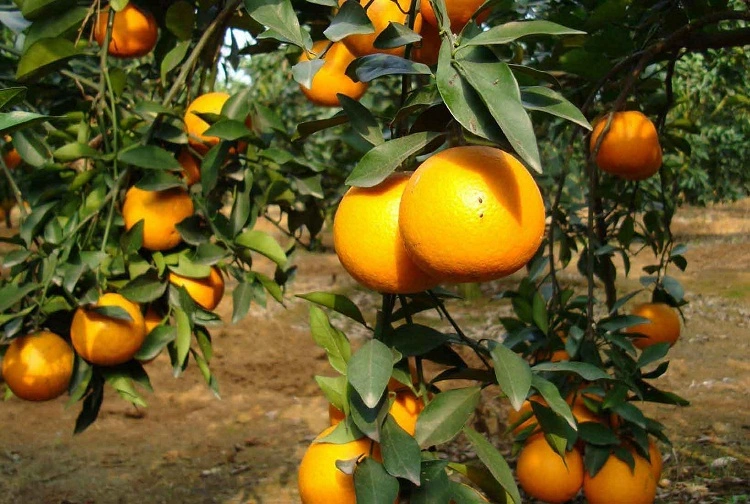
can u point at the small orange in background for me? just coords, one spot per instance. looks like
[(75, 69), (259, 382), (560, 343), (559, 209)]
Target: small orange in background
[(320, 481), (380, 12), (544, 475), (664, 325), (108, 341), (631, 147), (331, 78), (191, 171), (160, 211), (38, 366), (207, 292), (12, 159), (368, 242), (616, 483), (471, 214), (134, 32)]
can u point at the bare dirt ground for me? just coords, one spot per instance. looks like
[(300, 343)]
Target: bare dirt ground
[(189, 447)]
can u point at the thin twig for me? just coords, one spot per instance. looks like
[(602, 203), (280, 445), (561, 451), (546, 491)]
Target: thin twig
[(478, 349)]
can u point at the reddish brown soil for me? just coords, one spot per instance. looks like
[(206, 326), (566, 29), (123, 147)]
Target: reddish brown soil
[(189, 447)]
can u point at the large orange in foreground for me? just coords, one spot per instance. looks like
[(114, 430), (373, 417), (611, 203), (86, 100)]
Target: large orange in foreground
[(38, 367), (108, 341), (320, 481), (160, 211), (664, 325), (331, 78), (616, 483), (544, 475), (380, 12), (134, 32), (368, 242), (631, 148), (471, 214), (207, 291)]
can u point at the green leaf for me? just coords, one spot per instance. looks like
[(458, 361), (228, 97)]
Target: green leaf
[(464, 494), (550, 101), (652, 353), (336, 302), (334, 342), (91, 404), (435, 485), (395, 35), (279, 16), (173, 58), (351, 19), (372, 484), (415, 339), (495, 462), (369, 370), (12, 294), (362, 120), (242, 296), (121, 382), (583, 369), (334, 389), (43, 57), (180, 19), (496, 85), (512, 372), (145, 288), (539, 312), (229, 129), (37, 9), (149, 156), (160, 180), (594, 458), (75, 150), (184, 332), (514, 30), (370, 67), (155, 342), (113, 312), (597, 434), (673, 287), (63, 24), (551, 394), (306, 129), (264, 244), (15, 120), (12, 95), (381, 161), (445, 416), (304, 71), (401, 453)]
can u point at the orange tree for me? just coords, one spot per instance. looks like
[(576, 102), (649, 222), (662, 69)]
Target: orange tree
[(114, 229)]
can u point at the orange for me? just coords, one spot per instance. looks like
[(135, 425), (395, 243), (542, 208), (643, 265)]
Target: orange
[(615, 483), (134, 32), (631, 148), (335, 415), (514, 416), (207, 291), (663, 328), (104, 340), (405, 410), (191, 171), (152, 320), (380, 12), (656, 462), (471, 214), (544, 475), (331, 78), (582, 413), (368, 242), (12, 159), (459, 12), (320, 481), (209, 103), (160, 211), (427, 50), (38, 367)]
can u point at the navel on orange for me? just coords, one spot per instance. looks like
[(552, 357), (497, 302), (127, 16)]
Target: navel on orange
[(38, 366), (134, 32), (368, 242), (631, 148), (471, 214), (160, 211)]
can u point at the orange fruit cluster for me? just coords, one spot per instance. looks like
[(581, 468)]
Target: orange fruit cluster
[(467, 214)]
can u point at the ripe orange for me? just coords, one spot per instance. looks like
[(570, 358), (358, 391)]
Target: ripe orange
[(656, 462), (191, 171), (459, 12), (582, 413), (427, 50), (471, 214), (405, 410), (335, 415), (331, 79), (368, 242), (38, 367), (160, 211), (12, 159), (663, 328), (134, 32), (544, 475), (152, 319), (380, 12), (631, 148), (320, 481), (514, 416), (209, 103), (207, 292), (615, 483), (108, 341)]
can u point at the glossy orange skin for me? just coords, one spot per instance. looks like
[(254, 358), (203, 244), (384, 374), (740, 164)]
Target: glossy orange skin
[(544, 475), (615, 483), (631, 148), (108, 341), (161, 211), (471, 214), (380, 12), (331, 78), (134, 32), (207, 292), (664, 326), (38, 366), (209, 103), (459, 12), (368, 242)]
